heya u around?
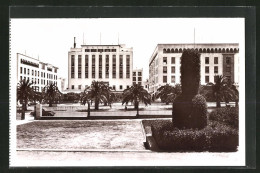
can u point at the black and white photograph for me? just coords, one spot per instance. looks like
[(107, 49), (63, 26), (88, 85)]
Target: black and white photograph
[(127, 92)]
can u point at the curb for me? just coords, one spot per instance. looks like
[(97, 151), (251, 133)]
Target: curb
[(82, 150)]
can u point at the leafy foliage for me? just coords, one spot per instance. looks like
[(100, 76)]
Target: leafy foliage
[(190, 72), (51, 94), (24, 94), (215, 137), (168, 93), (98, 92), (189, 109), (228, 116), (223, 91), (136, 93)]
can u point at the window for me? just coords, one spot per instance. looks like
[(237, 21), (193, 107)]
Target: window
[(121, 66), (28, 71), (21, 78), (44, 74), (32, 72), (216, 69), (87, 50), (114, 66), (207, 69), (86, 66), (127, 86), (114, 87), (134, 78), (215, 60), (107, 66), (93, 66), (79, 66), (139, 83), (24, 70), (100, 66), (72, 66), (139, 73), (228, 59), (38, 81), (128, 66), (173, 60), (134, 73), (173, 69), (207, 79), (72, 86), (164, 69), (173, 79), (139, 78), (164, 60), (21, 70), (228, 69), (215, 79), (164, 79), (228, 78), (79, 87), (121, 87), (38, 73), (206, 60)]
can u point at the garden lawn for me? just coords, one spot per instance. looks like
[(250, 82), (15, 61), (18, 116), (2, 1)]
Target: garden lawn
[(125, 135)]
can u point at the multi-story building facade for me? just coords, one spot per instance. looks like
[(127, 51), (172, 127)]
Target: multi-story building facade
[(216, 59), (112, 64), (138, 76), (37, 72)]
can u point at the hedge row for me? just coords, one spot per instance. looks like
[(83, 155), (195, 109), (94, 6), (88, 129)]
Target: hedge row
[(228, 116), (215, 137)]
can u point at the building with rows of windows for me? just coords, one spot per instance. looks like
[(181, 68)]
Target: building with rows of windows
[(37, 72), (112, 64), (138, 76), (216, 59)]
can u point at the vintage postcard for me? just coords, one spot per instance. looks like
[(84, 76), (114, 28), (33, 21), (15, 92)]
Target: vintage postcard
[(127, 92)]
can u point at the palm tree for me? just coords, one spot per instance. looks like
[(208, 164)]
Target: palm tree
[(98, 92), (168, 93), (24, 94), (135, 94), (85, 98), (51, 93), (235, 94), (221, 90)]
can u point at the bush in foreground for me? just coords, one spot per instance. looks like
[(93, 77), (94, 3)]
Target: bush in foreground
[(227, 115), (214, 137)]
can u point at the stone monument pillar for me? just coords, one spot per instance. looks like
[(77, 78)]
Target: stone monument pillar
[(38, 111)]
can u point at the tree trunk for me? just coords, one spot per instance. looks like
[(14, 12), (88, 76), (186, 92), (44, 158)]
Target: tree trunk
[(50, 103), (96, 104), (137, 114), (136, 105), (25, 106), (23, 112), (88, 109), (218, 104), (236, 104)]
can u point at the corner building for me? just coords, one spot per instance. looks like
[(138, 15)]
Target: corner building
[(37, 72), (112, 64), (216, 59)]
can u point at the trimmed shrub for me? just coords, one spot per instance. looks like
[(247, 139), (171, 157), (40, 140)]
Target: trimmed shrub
[(215, 137), (199, 112), (189, 109), (190, 72), (226, 115)]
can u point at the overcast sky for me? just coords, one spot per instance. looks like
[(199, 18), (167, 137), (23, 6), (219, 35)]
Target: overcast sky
[(51, 39)]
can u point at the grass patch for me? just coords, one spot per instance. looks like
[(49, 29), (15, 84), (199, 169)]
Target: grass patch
[(80, 135), (216, 137)]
